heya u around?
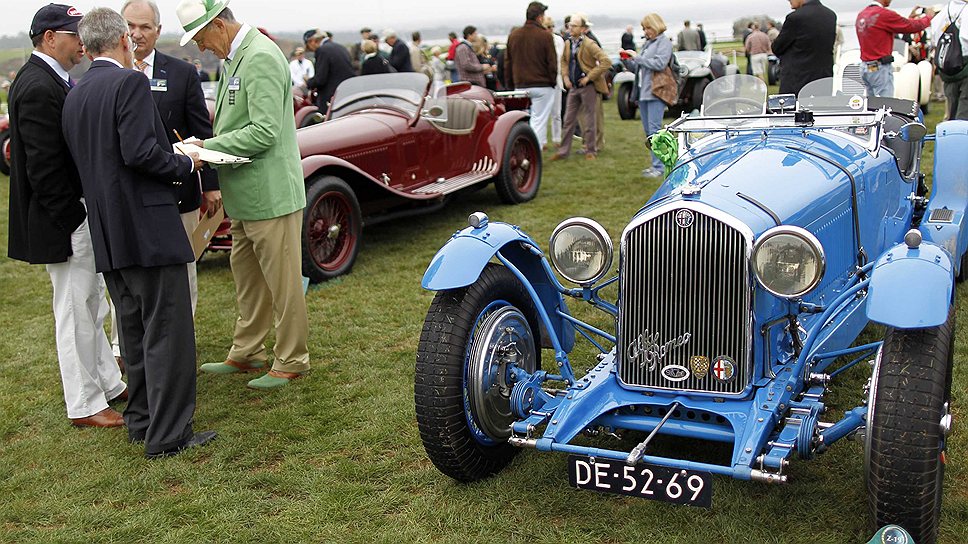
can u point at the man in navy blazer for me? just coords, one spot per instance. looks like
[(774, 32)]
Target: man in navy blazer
[(177, 92), (48, 220), (130, 176), (332, 67)]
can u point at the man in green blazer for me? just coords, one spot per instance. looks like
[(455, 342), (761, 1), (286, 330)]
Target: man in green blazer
[(265, 198)]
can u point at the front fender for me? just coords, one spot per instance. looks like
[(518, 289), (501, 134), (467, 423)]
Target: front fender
[(460, 262), (945, 223), (499, 134), (911, 288)]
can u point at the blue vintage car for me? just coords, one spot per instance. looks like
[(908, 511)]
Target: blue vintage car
[(785, 226)]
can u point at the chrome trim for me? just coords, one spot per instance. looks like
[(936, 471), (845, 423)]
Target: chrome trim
[(747, 234), (871, 398), (603, 237), (806, 236)]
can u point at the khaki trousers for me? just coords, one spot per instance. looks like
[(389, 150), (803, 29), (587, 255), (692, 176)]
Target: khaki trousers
[(267, 266)]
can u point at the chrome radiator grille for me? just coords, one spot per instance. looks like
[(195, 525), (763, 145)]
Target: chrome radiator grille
[(685, 302)]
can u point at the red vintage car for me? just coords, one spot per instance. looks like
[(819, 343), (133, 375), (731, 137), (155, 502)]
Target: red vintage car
[(389, 148), (5, 145)]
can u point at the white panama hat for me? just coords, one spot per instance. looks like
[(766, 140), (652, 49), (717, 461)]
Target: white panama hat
[(195, 14)]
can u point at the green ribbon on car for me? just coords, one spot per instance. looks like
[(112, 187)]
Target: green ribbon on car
[(665, 146)]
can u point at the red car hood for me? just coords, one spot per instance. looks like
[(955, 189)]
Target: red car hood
[(355, 131)]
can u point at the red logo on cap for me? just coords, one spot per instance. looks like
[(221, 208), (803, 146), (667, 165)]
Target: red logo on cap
[(74, 13)]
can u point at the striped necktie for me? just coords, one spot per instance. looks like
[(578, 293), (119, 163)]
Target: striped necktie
[(141, 65)]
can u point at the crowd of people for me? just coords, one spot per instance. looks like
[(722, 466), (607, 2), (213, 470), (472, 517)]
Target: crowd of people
[(114, 215)]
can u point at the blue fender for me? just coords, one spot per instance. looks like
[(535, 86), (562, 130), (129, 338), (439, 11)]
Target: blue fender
[(911, 288), (462, 259), (949, 191)]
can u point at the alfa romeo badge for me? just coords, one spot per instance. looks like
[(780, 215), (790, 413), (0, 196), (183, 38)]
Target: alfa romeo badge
[(684, 218), (724, 369)]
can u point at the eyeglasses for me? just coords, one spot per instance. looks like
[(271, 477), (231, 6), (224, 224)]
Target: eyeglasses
[(197, 38), (134, 46), (71, 32)]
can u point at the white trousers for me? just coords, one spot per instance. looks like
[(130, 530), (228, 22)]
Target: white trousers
[(542, 101), (556, 116), (190, 220), (88, 371)]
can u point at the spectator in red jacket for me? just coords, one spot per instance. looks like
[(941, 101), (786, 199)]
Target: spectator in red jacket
[(876, 26)]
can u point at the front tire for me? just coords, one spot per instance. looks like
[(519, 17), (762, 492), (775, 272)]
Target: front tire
[(461, 388), (626, 108), (905, 444), (332, 229), (520, 174)]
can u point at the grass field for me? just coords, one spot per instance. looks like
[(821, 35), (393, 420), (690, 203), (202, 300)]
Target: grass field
[(336, 457)]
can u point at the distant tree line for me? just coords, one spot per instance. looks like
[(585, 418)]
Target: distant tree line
[(739, 25)]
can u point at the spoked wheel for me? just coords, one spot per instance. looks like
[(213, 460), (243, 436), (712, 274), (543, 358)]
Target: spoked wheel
[(909, 418), (332, 226), (520, 174), (471, 340)]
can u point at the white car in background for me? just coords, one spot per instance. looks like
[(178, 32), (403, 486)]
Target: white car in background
[(912, 81)]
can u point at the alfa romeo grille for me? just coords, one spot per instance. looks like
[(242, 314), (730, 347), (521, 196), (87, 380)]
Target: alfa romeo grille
[(684, 309)]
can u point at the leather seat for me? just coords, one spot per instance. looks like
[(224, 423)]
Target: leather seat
[(461, 116), (904, 152)]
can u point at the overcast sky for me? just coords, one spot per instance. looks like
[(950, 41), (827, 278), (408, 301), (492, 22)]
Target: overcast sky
[(298, 15)]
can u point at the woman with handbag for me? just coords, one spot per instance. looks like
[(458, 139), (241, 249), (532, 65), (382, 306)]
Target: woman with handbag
[(655, 85)]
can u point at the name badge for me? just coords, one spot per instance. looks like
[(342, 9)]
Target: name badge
[(235, 83), (160, 85)]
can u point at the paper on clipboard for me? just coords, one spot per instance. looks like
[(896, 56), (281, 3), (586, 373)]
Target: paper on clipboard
[(206, 228), (209, 155)]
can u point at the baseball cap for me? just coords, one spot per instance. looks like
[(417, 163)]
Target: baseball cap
[(55, 17), (312, 35)]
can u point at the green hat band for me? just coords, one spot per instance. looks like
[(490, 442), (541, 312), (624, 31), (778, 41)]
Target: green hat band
[(211, 9)]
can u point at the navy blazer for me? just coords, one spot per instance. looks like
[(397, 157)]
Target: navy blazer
[(182, 108), (332, 66), (45, 190), (127, 169), (805, 46)]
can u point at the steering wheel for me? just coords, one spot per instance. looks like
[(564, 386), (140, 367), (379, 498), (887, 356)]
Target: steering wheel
[(732, 101)]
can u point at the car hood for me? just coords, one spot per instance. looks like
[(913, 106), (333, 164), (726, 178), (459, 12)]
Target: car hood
[(355, 131), (794, 179)]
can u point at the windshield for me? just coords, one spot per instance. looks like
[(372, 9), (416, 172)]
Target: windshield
[(401, 91), (735, 95), (829, 94)]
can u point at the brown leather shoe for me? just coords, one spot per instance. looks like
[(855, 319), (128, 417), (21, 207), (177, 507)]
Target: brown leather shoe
[(590, 156), (120, 363), (105, 418), (123, 397), (558, 157)]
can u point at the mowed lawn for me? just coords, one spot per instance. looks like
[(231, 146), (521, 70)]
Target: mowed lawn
[(336, 457)]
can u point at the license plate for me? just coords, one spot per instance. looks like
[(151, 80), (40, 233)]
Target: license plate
[(644, 480)]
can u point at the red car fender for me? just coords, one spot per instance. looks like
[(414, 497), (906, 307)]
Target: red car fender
[(314, 164), (499, 134)]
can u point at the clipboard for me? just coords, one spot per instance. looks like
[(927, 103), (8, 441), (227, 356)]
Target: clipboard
[(209, 155), (206, 228)]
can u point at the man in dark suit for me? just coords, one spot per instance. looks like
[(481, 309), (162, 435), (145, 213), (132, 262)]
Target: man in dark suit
[(399, 52), (333, 66), (178, 95), (805, 45), (129, 174), (202, 74), (48, 220)]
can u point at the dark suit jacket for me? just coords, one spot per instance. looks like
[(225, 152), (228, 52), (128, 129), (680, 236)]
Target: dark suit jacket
[(45, 190), (332, 68), (805, 46), (182, 108), (127, 169), (203, 75), (400, 57)]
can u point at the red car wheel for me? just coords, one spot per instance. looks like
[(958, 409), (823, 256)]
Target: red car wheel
[(331, 229), (520, 174)]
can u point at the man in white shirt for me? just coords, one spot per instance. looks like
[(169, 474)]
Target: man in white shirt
[(955, 86), (301, 69)]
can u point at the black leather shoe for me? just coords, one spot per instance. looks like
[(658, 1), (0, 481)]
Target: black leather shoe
[(199, 439)]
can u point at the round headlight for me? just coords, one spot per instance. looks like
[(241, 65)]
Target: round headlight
[(788, 261), (581, 250)]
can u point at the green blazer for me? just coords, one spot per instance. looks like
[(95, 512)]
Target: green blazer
[(254, 119)]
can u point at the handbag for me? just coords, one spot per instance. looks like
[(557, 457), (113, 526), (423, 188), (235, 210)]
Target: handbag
[(665, 87)]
